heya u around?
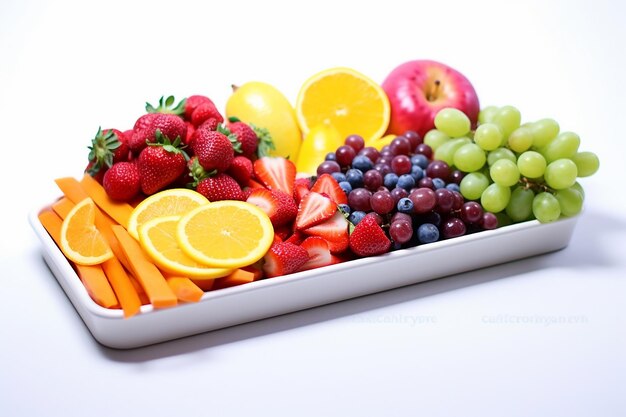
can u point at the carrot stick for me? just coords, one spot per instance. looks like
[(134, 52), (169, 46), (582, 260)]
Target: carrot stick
[(123, 287), (93, 277), (63, 206), (120, 212), (204, 284), (145, 271), (237, 277), (142, 294), (71, 188), (185, 289)]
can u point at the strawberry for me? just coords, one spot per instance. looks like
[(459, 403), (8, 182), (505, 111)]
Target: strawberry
[(302, 187), (325, 183), (296, 238), (204, 112), (319, 253), (107, 147), (279, 207), (121, 181), (160, 164), (220, 187), (191, 130), (245, 135), (166, 106), (170, 125), (284, 233), (192, 102), (284, 258), (334, 231), (213, 149), (142, 134), (368, 238), (241, 170), (314, 208), (276, 173)]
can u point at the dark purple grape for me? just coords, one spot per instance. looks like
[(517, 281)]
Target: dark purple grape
[(328, 167), (344, 155), (489, 221), (372, 179), (401, 231), (471, 212), (359, 199), (426, 182), (456, 176), (371, 152), (401, 164), (438, 169), (382, 202), (384, 159), (414, 138), (356, 141), (458, 200), (453, 227), (400, 146), (425, 150), (384, 169), (424, 200), (445, 200), (377, 217), (398, 193)]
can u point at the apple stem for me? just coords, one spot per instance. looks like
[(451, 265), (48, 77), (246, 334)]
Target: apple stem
[(432, 94)]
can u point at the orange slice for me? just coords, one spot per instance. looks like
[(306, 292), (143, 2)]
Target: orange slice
[(158, 239), (345, 98), (225, 234), (172, 202), (81, 241)]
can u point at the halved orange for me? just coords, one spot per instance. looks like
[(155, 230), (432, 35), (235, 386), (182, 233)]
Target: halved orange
[(225, 234), (81, 241), (346, 99), (172, 202), (158, 239)]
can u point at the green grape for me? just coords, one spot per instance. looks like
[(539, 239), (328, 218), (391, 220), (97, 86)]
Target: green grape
[(488, 136), (561, 174), (435, 138), (546, 207), (453, 122), (508, 118), (504, 172), (544, 131), (565, 145), (469, 158), (521, 139), (587, 163), (570, 200), (520, 207), (500, 153), (579, 188), (531, 164), (486, 114), (445, 152), (495, 198), (503, 219), (473, 184)]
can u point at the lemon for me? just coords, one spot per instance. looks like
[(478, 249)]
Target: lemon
[(172, 202), (320, 140), (266, 107), (158, 239), (345, 98), (225, 234)]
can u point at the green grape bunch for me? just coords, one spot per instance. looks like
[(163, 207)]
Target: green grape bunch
[(519, 171)]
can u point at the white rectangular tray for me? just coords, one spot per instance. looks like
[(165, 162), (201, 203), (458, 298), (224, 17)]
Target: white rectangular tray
[(272, 297)]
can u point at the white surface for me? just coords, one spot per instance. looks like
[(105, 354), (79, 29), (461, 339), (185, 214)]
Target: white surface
[(542, 336)]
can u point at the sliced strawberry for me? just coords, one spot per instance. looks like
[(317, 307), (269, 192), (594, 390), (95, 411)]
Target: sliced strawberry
[(276, 173), (296, 238), (301, 188), (279, 207), (334, 231), (284, 258), (314, 209), (327, 184), (319, 253), (284, 233)]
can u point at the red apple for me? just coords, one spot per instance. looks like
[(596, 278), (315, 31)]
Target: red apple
[(418, 89)]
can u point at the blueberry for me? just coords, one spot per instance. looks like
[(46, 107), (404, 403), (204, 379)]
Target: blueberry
[(390, 181), (453, 187), (405, 205), (406, 181), (339, 176), (346, 187), (355, 177), (420, 160), (345, 208), (417, 172), (330, 156), (356, 216), (427, 233), (438, 183), (362, 163)]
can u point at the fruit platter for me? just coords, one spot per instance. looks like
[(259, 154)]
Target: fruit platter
[(195, 218)]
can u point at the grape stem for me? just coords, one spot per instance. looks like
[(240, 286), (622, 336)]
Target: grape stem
[(536, 187)]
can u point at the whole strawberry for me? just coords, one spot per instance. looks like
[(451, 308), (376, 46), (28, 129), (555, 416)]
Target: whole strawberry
[(213, 150), (142, 132), (121, 181), (107, 147), (245, 135), (170, 125), (220, 187), (241, 170), (192, 102), (368, 238), (160, 164)]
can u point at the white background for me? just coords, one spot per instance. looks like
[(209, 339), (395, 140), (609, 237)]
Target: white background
[(442, 348)]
